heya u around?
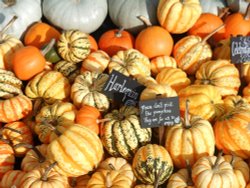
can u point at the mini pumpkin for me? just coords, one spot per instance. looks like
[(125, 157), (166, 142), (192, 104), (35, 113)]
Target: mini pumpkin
[(12, 178), (160, 62), (7, 158)]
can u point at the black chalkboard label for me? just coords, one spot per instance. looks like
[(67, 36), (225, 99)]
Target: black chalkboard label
[(123, 89), (159, 112), (240, 49)]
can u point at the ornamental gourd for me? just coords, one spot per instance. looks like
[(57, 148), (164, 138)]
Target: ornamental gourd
[(7, 158), (159, 63), (12, 178)]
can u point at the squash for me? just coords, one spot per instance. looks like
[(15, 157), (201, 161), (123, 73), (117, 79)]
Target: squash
[(124, 13), (122, 134), (212, 6), (220, 73), (7, 158), (246, 92), (32, 14), (85, 16), (145, 80), (77, 151), (130, 63), (12, 178), (87, 90), (79, 182), (178, 16), (152, 164), (73, 46), (232, 102), (160, 62), (48, 85)]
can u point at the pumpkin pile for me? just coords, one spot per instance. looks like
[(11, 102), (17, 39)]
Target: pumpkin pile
[(59, 129)]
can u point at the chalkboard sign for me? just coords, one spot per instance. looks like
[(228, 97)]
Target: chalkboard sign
[(122, 89), (240, 49), (159, 112)]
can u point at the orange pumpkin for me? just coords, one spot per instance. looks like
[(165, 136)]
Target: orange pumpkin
[(160, 62), (116, 40), (40, 34), (12, 178), (93, 44), (7, 158), (246, 93)]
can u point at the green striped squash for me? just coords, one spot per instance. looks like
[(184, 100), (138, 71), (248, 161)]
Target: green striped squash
[(152, 164), (73, 46), (122, 134)]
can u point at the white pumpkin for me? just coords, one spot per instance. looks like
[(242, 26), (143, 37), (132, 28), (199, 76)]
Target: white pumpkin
[(238, 5), (124, 13), (27, 11), (84, 15), (212, 6)]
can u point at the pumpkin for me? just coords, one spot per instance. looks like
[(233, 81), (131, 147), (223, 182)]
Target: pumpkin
[(51, 117), (122, 134), (130, 63), (152, 164), (85, 16), (7, 158), (35, 158), (203, 100), (96, 61), (73, 46), (232, 102), (77, 151), (160, 62), (79, 182), (40, 34), (240, 168), (87, 88), (174, 77), (181, 140), (206, 23), (115, 40), (220, 73), (89, 116), (237, 24), (32, 14), (8, 45), (211, 172), (44, 177), (222, 50), (245, 72), (212, 6), (246, 92), (145, 80), (48, 85), (68, 69), (93, 44), (232, 132), (178, 16), (124, 13), (12, 178)]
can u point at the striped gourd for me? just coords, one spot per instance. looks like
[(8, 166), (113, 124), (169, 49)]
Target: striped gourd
[(49, 85), (7, 158), (152, 164), (12, 178), (87, 90), (97, 61), (73, 46), (77, 151), (8, 45), (160, 62), (69, 69), (122, 134)]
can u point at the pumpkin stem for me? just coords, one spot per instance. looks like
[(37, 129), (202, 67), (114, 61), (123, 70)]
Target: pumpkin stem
[(157, 180), (11, 129), (58, 133), (47, 171), (41, 158), (111, 166), (215, 165), (6, 27), (48, 47), (232, 160), (189, 169), (212, 33), (119, 32), (187, 124), (223, 12), (247, 13), (9, 3), (108, 182), (145, 20)]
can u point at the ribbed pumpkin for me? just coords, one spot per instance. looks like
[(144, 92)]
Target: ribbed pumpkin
[(174, 77), (122, 135), (69, 69), (178, 16), (79, 182), (87, 90), (203, 100), (7, 158), (160, 62), (77, 151), (181, 140), (51, 117), (96, 61), (232, 132), (232, 102), (73, 45), (12, 178), (220, 73), (152, 164), (240, 168), (48, 85), (130, 63), (145, 80), (246, 92), (213, 172), (222, 50)]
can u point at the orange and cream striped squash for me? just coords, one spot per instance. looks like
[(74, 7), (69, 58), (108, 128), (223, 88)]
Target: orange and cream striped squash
[(145, 80), (220, 73), (96, 61), (180, 179), (7, 158), (12, 178), (174, 77), (79, 182), (178, 16), (160, 62)]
